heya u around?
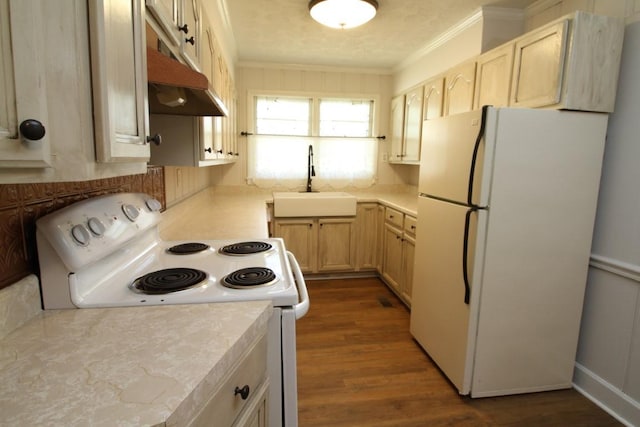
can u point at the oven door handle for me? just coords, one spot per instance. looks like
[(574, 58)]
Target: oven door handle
[(302, 307)]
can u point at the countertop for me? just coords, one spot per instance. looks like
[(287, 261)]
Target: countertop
[(241, 212), (122, 366)]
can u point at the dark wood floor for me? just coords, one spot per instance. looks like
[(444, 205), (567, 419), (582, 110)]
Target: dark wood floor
[(359, 366)]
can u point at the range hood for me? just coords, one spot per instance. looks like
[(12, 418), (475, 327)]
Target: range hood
[(176, 89)]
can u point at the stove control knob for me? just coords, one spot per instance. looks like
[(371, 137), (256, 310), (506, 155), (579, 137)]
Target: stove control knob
[(96, 226), (154, 205), (80, 235), (131, 212)]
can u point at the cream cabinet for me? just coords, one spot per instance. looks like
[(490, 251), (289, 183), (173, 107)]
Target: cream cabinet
[(165, 12), (319, 244), (459, 88), (493, 77), (407, 127), (397, 128), (571, 63), (433, 98), (398, 253), (191, 41), (366, 239), (241, 398), (336, 244), (187, 141), (119, 79), (301, 238), (24, 119)]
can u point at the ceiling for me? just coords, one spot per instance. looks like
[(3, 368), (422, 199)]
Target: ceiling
[(281, 31)]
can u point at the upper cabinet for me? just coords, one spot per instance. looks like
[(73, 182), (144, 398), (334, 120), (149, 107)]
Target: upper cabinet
[(165, 13), (24, 119), (119, 75), (190, 41), (572, 63), (433, 98), (493, 77), (406, 127), (458, 92)]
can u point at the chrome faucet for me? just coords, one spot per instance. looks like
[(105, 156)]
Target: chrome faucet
[(310, 169)]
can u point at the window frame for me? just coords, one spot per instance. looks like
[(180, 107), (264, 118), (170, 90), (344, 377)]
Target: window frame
[(315, 107)]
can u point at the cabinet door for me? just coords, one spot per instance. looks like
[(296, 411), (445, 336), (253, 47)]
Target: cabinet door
[(166, 14), (300, 238), (22, 84), (433, 98), (539, 66), (397, 128), (493, 77), (392, 257), (335, 244), (119, 79), (459, 85), (366, 236), (190, 43), (412, 125), (408, 256)]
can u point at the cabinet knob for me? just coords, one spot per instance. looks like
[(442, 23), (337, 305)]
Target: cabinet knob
[(243, 392), (208, 150), (191, 40), (32, 129), (219, 151), (184, 28), (156, 139)]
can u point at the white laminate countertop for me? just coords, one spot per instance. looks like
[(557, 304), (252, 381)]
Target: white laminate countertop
[(122, 366)]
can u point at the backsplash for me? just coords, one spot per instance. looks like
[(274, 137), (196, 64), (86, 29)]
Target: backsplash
[(22, 204)]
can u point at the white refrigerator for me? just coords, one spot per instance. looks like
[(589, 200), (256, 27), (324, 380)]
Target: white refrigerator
[(505, 219)]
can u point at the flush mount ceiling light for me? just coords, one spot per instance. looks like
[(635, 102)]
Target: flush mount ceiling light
[(343, 14)]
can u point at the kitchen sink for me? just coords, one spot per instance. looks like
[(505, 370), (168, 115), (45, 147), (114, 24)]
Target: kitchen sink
[(314, 204)]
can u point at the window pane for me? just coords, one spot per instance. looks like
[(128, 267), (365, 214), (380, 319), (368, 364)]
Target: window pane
[(345, 117), (283, 116)]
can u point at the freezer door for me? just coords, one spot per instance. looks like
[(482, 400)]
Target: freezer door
[(452, 154), (440, 317)]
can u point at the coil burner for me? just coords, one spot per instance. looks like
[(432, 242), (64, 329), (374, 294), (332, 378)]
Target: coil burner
[(245, 248), (188, 248), (248, 278), (168, 280)]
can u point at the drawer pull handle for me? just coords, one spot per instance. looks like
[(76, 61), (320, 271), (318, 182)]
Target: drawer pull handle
[(243, 392)]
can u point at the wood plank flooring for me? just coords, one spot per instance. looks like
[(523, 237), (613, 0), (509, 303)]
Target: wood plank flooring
[(359, 366)]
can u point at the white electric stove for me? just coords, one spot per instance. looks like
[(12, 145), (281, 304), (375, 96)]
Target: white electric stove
[(106, 252)]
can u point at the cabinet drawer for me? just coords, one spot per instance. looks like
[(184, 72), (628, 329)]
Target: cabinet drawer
[(410, 224), (224, 406), (393, 216)]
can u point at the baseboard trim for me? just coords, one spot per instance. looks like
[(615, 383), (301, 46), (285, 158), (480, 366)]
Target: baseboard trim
[(612, 400)]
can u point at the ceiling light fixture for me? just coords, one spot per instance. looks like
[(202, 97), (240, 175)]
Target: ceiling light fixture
[(343, 14)]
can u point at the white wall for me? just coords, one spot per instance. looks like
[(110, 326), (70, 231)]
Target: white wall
[(609, 349)]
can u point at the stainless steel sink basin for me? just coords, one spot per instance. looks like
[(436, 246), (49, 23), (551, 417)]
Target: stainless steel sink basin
[(323, 203)]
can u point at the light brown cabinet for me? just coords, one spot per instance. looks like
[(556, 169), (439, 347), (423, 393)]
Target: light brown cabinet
[(398, 253), (493, 77), (366, 238), (571, 63), (433, 98), (319, 244), (459, 88), (406, 127)]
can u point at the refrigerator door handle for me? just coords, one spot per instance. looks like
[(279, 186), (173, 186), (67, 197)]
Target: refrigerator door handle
[(465, 253), (474, 157)]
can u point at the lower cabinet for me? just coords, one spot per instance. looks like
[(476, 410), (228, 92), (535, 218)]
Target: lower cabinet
[(398, 253), (368, 239), (319, 244), (241, 399)]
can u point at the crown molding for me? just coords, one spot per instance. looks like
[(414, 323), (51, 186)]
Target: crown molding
[(479, 15), (310, 67)]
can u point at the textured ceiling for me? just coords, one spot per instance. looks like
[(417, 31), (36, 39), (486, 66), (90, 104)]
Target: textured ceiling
[(281, 31)]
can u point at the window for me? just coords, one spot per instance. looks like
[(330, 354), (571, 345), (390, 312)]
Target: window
[(340, 131)]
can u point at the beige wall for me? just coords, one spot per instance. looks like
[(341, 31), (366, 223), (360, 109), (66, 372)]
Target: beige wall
[(252, 78)]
